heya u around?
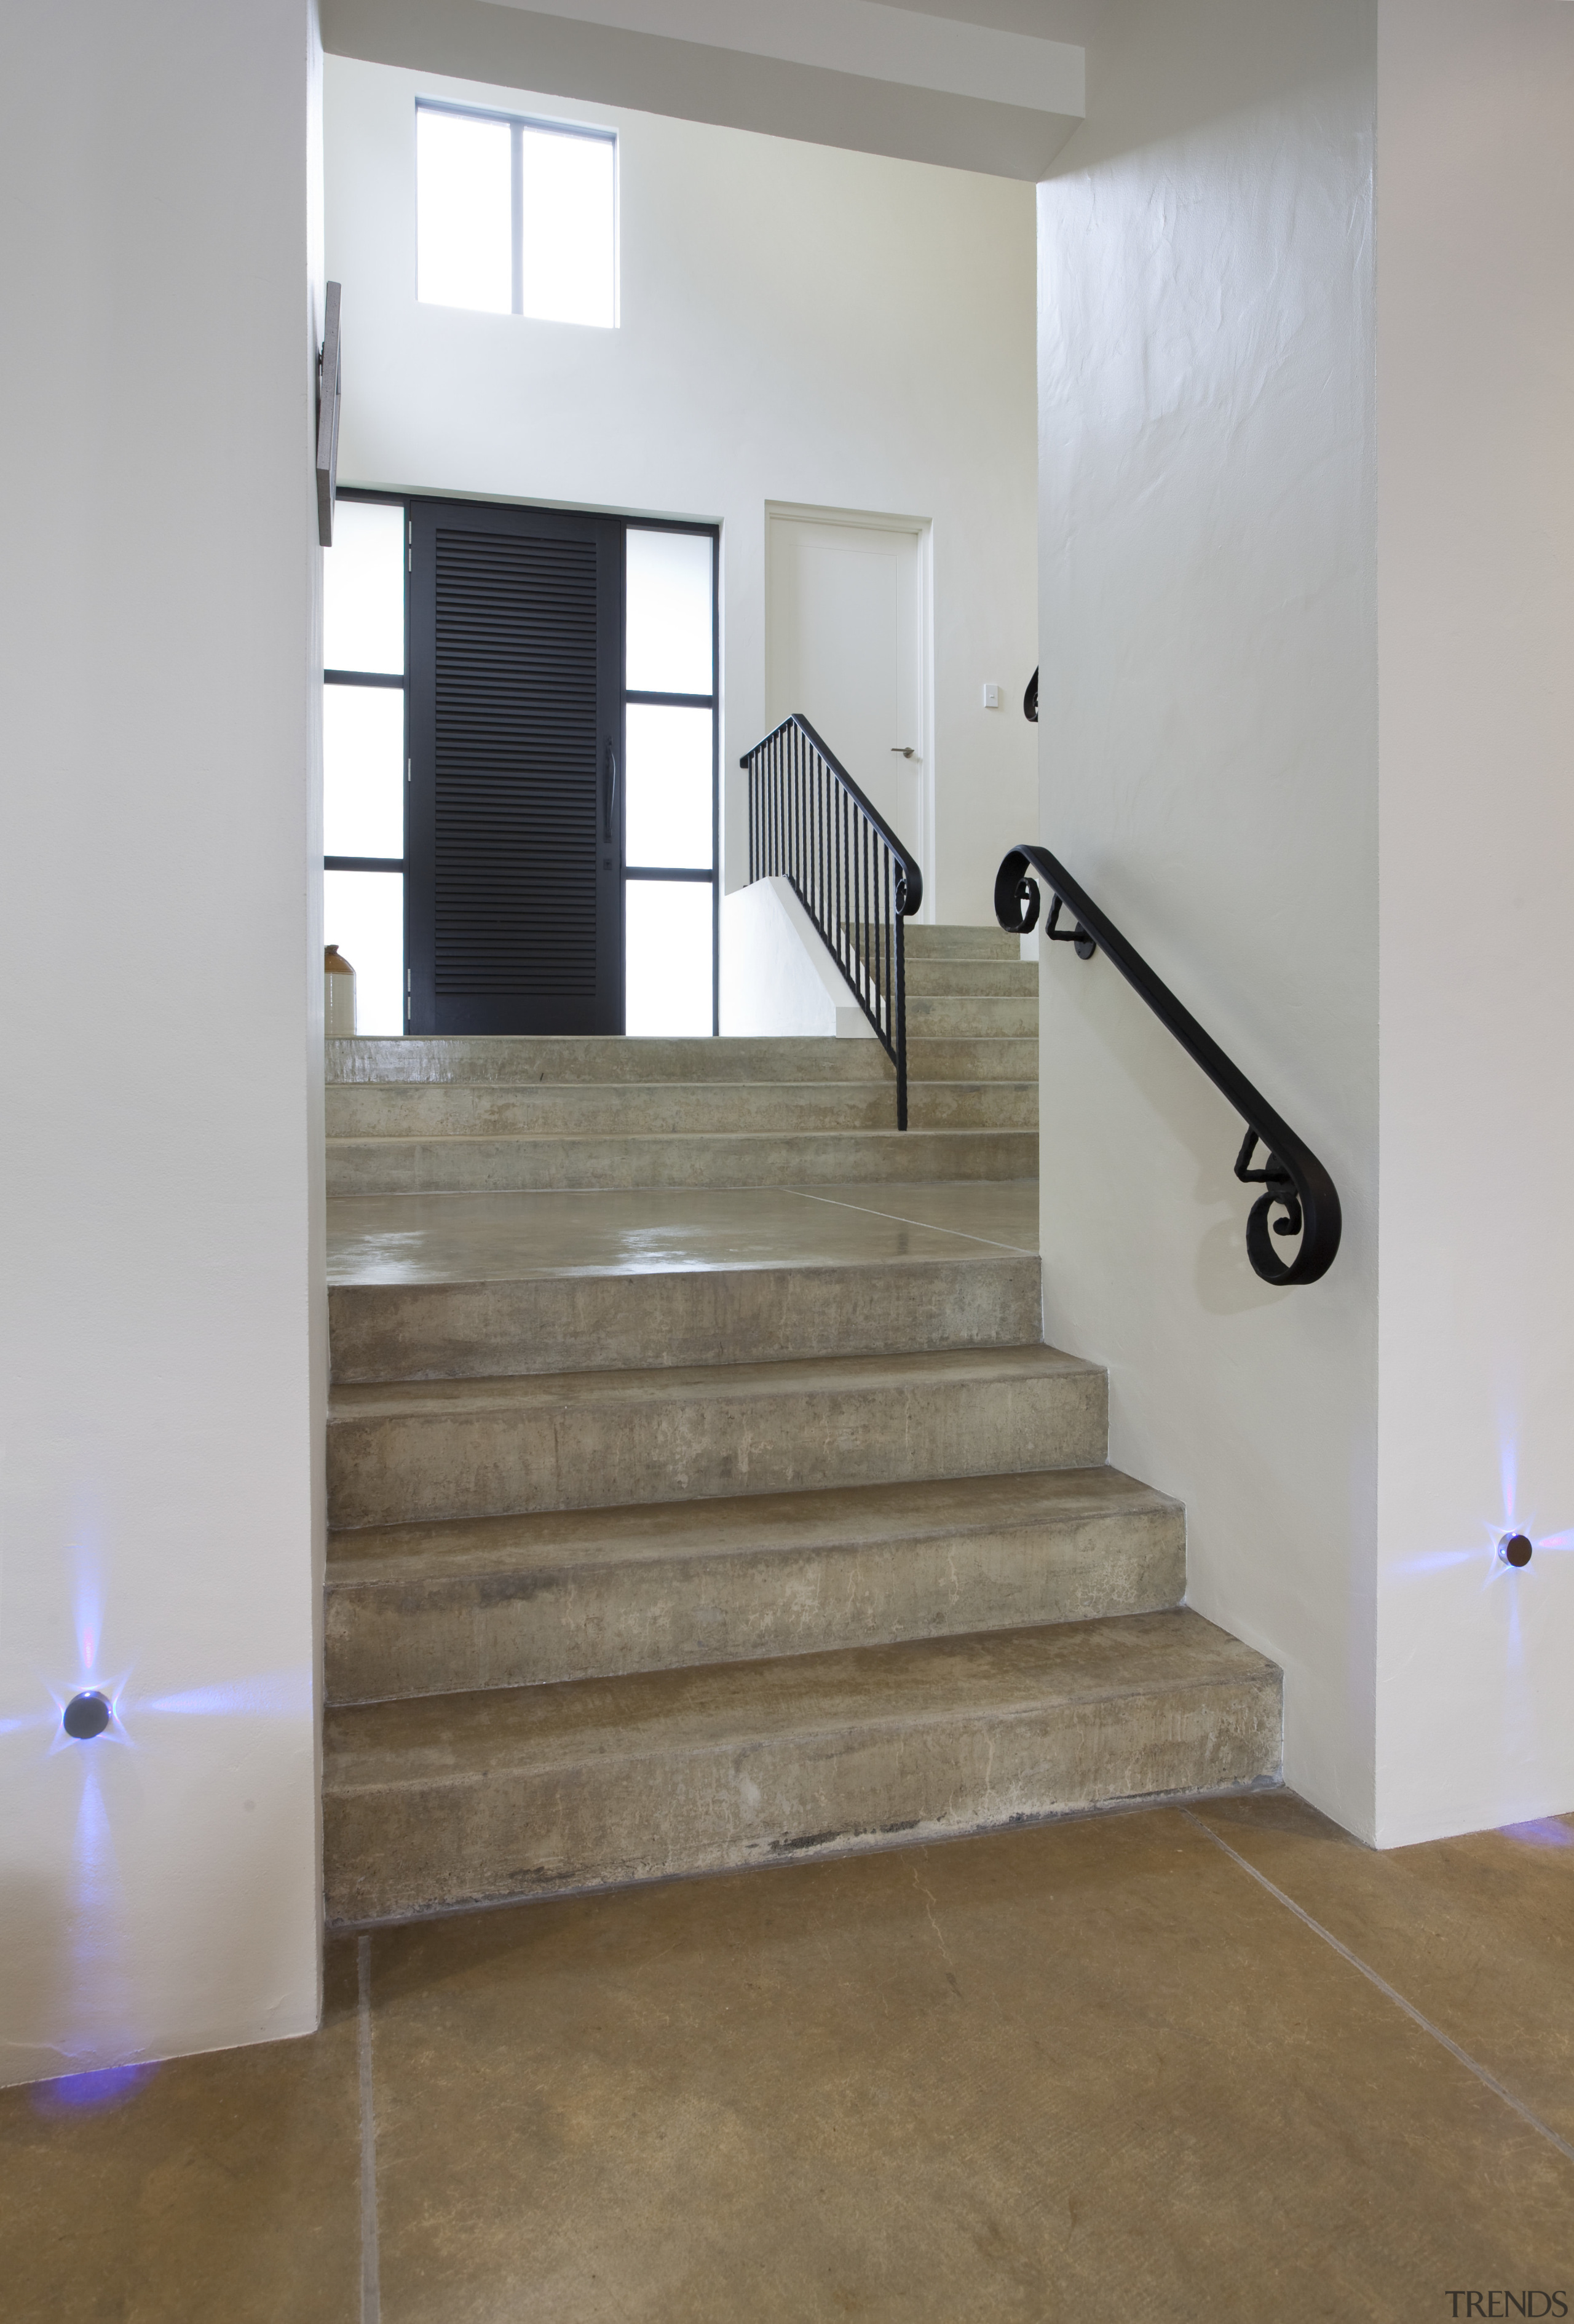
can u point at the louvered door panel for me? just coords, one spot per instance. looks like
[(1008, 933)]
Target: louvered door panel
[(516, 679)]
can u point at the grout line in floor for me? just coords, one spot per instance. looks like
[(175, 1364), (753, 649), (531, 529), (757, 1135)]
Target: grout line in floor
[(371, 2275), (1474, 2065), (899, 1218)]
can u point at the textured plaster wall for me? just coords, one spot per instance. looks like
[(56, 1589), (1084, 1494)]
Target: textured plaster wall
[(1208, 746), (1475, 425), (162, 1327), (798, 323)]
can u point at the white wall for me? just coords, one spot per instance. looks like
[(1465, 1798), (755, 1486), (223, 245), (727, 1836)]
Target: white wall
[(779, 976), (162, 1333), (1336, 813), (1209, 763), (1476, 421), (798, 323)]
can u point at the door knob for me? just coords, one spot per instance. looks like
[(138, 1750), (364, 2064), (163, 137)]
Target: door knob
[(903, 751)]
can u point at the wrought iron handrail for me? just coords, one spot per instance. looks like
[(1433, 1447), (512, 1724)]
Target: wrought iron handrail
[(1291, 1178), (810, 825)]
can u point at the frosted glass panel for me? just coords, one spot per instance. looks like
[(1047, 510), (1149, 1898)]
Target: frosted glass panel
[(668, 924), (362, 753), (464, 211), (670, 787), (569, 228), (669, 649), (362, 588), (363, 914)]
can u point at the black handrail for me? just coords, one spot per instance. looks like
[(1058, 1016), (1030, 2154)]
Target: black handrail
[(1291, 1178), (810, 824)]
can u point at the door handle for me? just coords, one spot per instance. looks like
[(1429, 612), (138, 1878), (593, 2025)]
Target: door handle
[(609, 793), (903, 751)]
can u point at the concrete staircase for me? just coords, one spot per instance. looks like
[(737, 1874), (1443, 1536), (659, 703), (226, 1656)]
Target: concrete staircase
[(491, 1115), (673, 1567)]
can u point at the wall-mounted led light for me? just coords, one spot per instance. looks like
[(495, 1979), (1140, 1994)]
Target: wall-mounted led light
[(1514, 1549), (86, 1714)]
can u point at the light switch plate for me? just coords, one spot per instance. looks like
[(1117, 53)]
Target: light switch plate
[(991, 698)]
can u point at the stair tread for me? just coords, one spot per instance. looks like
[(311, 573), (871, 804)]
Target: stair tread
[(665, 1137), (442, 1740), (456, 1549), (802, 1375)]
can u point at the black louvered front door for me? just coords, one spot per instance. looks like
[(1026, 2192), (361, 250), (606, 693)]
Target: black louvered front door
[(514, 848)]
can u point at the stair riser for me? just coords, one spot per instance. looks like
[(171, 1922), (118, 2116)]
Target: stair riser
[(395, 1851), (499, 1164), (405, 1468), (977, 1060), (1014, 979), (702, 1315), (668, 1109), (489, 1629), (923, 941), (960, 1017), (525, 1058)]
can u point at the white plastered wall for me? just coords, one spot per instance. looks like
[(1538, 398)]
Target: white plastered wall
[(798, 323), (163, 1331), (1208, 763), (1475, 425), (1308, 602)]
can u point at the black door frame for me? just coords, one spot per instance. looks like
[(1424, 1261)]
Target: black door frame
[(410, 502)]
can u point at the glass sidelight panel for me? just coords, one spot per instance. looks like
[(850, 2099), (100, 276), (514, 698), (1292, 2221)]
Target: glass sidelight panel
[(363, 743), (669, 755), (668, 936), (670, 622), (363, 583), (363, 915)]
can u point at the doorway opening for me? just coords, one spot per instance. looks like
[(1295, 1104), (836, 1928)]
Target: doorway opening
[(847, 622), (521, 761)]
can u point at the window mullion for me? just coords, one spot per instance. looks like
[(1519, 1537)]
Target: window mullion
[(517, 165)]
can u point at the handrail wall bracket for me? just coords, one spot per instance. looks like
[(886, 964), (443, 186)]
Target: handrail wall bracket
[(1293, 1179)]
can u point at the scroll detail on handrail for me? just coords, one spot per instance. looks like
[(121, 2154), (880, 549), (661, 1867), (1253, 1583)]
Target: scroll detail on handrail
[(1291, 1178), (810, 824)]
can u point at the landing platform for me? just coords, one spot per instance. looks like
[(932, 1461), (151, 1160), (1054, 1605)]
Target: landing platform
[(480, 1237)]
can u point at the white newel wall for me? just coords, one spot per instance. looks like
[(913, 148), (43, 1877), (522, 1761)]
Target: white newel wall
[(161, 1336), (1476, 418), (798, 325)]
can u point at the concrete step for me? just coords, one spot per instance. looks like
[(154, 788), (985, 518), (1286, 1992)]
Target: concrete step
[(522, 1058), (954, 942), (978, 1059), (943, 973), (506, 1061), (407, 1166), (535, 1601), (609, 1321), (972, 1016), (460, 1800), (666, 1108), (410, 1452)]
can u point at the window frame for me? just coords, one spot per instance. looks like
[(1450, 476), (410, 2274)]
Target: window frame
[(388, 679), (713, 703), (517, 122)]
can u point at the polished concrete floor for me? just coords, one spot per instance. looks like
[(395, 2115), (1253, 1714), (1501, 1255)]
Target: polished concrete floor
[(1174, 2064), (483, 1237)]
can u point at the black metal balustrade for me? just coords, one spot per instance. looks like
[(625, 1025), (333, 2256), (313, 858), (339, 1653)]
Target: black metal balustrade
[(1291, 1178), (810, 825)]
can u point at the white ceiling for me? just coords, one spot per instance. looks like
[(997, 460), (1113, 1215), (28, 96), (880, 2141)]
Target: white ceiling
[(988, 85)]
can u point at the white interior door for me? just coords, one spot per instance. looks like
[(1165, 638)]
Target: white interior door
[(846, 645)]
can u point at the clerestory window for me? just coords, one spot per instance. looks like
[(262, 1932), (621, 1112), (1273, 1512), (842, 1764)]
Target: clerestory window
[(515, 217)]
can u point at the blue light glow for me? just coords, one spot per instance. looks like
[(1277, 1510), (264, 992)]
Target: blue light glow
[(1543, 1831), (97, 2093)]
